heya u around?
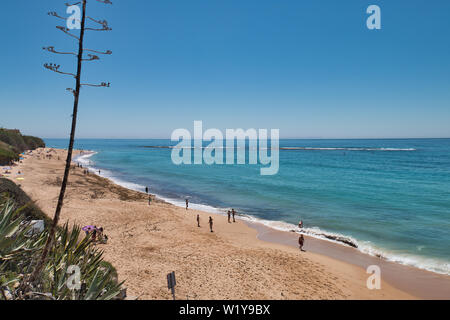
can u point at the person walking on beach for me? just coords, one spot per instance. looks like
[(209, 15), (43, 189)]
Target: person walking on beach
[(233, 213), (301, 241), (187, 203), (198, 220), (149, 200), (211, 224), (229, 216)]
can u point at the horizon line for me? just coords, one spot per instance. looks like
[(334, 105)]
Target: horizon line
[(382, 138)]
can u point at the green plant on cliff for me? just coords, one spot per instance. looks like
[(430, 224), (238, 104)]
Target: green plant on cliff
[(12, 142)]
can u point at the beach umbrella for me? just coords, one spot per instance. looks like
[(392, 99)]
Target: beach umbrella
[(88, 228), (7, 168)]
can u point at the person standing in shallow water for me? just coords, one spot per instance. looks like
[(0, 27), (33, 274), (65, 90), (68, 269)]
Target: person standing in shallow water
[(233, 213), (187, 203), (229, 216), (146, 190), (198, 220), (211, 224), (301, 241)]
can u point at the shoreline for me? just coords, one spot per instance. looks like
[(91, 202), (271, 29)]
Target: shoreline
[(314, 233), (343, 252), (424, 286), (320, 274)]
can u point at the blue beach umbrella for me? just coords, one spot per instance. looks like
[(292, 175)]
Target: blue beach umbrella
[(88, 228)]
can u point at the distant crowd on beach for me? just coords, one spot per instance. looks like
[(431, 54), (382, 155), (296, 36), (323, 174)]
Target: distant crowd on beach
[(96, 234)]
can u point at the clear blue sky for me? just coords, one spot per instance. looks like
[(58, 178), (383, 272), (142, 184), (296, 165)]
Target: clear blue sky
[(310, 68)]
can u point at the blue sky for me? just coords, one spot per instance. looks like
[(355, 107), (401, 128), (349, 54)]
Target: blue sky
[(310, 68)]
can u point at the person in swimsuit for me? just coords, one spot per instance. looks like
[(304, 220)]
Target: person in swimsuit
[(301, 242), (211, 224)]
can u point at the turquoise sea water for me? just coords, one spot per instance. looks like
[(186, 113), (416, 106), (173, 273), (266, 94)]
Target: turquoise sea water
[(389, 197)]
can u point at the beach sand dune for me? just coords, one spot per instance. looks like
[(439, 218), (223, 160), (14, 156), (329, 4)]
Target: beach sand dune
[(147, 242)]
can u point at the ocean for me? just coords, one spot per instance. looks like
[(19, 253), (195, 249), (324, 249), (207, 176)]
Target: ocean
[(386, 197)]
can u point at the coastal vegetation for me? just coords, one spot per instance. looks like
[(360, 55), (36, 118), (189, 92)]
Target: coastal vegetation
[(12, 143)]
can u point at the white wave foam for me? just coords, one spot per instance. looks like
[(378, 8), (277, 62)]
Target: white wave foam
[(429, 264), (288, 148), (83, 159), (348, 149)]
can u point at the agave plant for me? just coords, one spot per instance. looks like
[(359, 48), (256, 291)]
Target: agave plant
[(12, 242), (13, 245), (97, 280), (19, 252)]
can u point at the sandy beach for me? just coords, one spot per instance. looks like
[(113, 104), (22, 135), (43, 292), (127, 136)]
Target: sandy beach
[(236, 261)]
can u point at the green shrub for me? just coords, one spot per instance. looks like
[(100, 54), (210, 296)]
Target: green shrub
[(8, 189), (12, 143), (7, 155)]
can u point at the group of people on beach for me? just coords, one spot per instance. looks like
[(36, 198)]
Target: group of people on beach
[(210, 222), (96, 234), (85, 171), (231, 213)]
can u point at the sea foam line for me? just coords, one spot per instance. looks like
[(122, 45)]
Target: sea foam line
[(288, 148)]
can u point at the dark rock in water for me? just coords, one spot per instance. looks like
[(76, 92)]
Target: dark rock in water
[(343, 240), (348, 242), (336, 238)]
